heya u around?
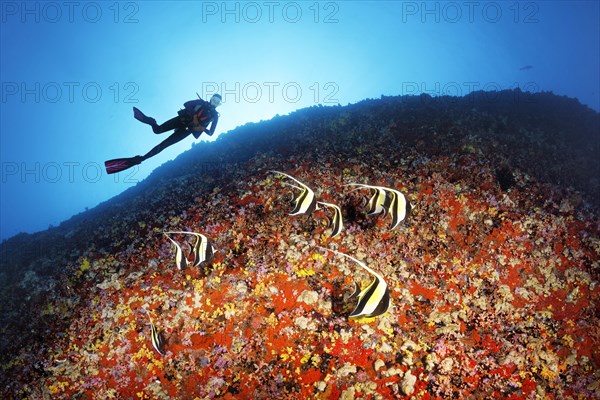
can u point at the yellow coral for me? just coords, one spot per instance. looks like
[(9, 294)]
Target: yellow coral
[(99, 343), (260, 289), (58, 387), (271, 320), (217, 313), (317, 257), (549, 375), (304, 272), (143, 352), (316, 360), (198, 285), (569, 340), (156, 364), (229, 310), (85, 265)]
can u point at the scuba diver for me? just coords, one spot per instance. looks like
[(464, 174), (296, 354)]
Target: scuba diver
[(192, 119)]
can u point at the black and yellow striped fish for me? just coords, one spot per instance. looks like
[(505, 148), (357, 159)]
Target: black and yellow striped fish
[(156, 337), (387, 201), (202, 250), (306, 202), (377, 203), (399, 207), (180, 259), (336, 223), (374, 300)]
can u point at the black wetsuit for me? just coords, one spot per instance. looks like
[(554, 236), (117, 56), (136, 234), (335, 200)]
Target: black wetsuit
[(204, 112)]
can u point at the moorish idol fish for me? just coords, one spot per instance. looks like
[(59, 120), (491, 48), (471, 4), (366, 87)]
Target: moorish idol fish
[(374, 300), (387, 201), (180, 259), (398, 208), (202, 250), (336, 223), (157, 340), (377, 201), (306, 202)]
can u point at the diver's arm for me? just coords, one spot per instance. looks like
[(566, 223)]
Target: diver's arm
[(213, 125)]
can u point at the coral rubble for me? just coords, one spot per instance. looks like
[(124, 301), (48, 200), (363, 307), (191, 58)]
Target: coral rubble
[(493, 278)]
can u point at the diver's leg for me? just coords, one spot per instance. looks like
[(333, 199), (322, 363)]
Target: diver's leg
[(173, 123), (175, 137)]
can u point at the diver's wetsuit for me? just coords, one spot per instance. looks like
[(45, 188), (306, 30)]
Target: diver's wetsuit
[(204, 112), (196, 114), (181, 132)]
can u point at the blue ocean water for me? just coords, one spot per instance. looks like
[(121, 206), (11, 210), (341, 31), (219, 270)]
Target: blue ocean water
[(71, 74)]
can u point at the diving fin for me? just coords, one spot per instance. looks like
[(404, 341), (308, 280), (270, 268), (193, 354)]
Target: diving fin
[(121, 164), (140, 116)]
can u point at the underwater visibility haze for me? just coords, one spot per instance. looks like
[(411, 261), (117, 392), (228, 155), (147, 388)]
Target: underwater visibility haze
[(299, 200)]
